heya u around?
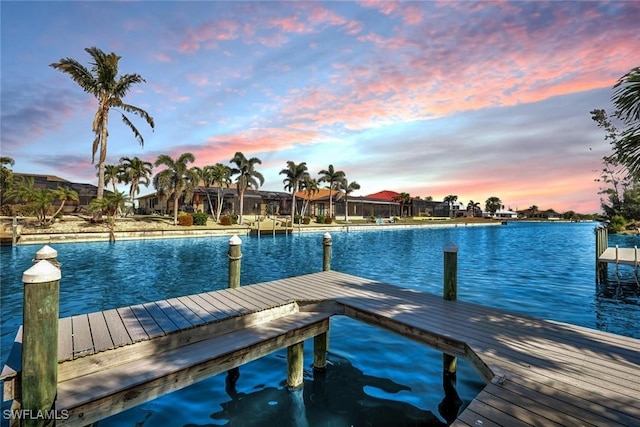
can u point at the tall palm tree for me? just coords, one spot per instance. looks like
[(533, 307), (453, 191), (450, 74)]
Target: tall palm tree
[(103, 82), (295, 174), (113, 175), (6, 175), (221, 178), (626, 98), (493, 204), (333, 177), (348, 188), (176, 180), (135, 171), (310, 186), (451, 199), (248, 176)]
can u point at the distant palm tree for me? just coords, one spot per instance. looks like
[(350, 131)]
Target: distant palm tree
[(135, 172), (493, 204), (473, 207), (295, 174), (102, 81), (403, 199), (40, 200), (534, 210), (64, 194), (109, 205), (450, 200), (333, 177), (221, 176), (348, 188), (176, 180), (113, 175), (248, 176), (6, 175), (310, 186)]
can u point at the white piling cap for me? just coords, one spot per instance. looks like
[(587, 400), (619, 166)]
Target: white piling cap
[(451, 248), (235, 240), (326, 236), (41, 272), (46, 252)]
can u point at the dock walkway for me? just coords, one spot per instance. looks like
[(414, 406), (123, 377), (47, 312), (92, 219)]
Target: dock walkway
[(538, 372)]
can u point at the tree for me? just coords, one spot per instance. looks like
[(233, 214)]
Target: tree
[(102, 81), (348, 188), (473, 207), (135, 172), (109, 205), (295, 174), (626, 99), (6, 176), (493, 204), (113, 175), (40, 200), (403, 199), (221, 177), (450, 200), (333, 177), (176, 180), (248, 176), (310, 186)]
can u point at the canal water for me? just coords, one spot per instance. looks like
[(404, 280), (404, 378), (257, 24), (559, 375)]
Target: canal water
[(374, 378)]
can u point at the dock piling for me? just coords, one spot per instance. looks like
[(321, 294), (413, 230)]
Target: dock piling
[(602, 242), (235, 255), (450, 293), (295, 366), (326, 252), (40, 341)]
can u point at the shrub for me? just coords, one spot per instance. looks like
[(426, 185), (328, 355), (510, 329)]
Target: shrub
[(200, 218), (185, 219), (226, 220), (306, 220), (297, 219), (617, 223), (234, 218), (320, 219), (328, 220)]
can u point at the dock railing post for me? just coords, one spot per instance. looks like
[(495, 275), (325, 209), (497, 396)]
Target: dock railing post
[(602, 242), (451, 402), (326, 252), (39, 381), (235, 255)]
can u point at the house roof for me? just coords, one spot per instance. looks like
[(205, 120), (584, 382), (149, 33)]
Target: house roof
[(386, 195), (323, 193)]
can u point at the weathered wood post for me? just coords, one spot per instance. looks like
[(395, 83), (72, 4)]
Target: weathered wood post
[(602, 242), (40, 341), (326, 252), (295, 366), (14, 231), (451, 402), (235, 255)]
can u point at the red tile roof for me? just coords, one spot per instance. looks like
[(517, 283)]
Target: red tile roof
[(383, 195)]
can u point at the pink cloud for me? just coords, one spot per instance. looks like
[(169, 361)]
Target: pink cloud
[(208, 34)]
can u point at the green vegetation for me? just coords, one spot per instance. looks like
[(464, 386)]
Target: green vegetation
[(176, 180), (248, 176), (200, 218), (39, 201)]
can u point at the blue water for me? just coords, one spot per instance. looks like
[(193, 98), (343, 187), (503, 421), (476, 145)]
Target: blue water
[(540, 269)]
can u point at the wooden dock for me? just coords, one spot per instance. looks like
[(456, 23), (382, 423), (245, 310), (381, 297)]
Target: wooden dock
[(538, 372)]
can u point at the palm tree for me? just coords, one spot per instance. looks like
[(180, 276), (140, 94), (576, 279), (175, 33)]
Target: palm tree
[(176, 180), (626, 98), (110, 205), (221, 177), (310, 186), (333, 177), (450, 199), (63, 194), (492, 204), (473, 207), (102, 81), (135, 171), (6, 175), (40, 199), (403, 199), (348, 188), (113, 175), (248, 176), (295, 174)]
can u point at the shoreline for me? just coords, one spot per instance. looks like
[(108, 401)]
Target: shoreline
[(78, 230)]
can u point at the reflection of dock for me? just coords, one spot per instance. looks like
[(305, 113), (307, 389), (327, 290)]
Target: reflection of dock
[(538, 372)]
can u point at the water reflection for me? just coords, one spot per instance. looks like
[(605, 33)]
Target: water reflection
[(335, 397)]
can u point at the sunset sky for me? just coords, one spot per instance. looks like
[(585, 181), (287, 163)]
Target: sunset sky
[(476, 99)]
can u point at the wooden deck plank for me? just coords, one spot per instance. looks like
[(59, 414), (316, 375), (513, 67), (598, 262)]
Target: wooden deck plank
[(100, 332), (176, 316), (222, 302), (234, 297), (117, 329), (147, 321), (165, 322), (82, 340), (213, 306), (197, 309), (131, 323), (65, 339)]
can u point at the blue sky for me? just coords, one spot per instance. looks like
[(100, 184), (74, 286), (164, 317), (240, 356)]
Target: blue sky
[(476, 99)]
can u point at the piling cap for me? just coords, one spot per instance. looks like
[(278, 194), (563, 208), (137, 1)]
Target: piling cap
[(451, 248), (326, 236), (235, 240), (46, 252), (41, 272)]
